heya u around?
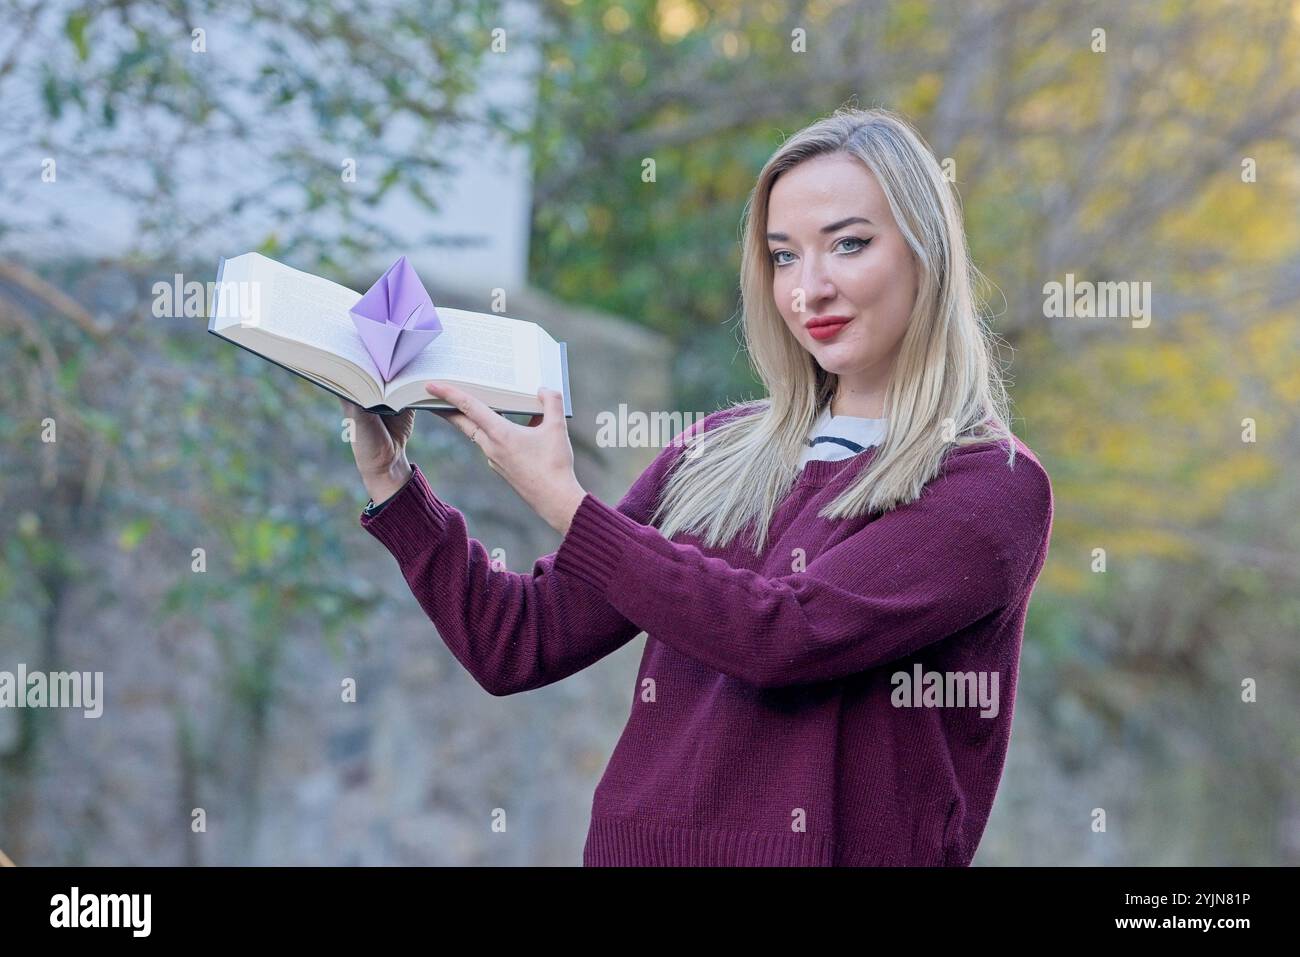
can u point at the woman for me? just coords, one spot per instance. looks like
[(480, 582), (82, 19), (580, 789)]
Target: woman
[(833, 629)]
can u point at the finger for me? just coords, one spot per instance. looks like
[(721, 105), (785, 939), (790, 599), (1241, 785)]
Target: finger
[(462, 422), (362, 421), (477, 410), (467, 427), (401, 426), (552, 407)]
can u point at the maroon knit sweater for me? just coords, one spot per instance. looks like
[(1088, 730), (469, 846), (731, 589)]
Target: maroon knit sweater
[(770, 722)]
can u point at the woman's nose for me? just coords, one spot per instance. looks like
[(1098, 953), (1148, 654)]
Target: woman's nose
[(817, 285)]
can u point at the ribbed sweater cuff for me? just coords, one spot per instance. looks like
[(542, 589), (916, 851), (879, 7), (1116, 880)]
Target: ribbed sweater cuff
[(593, 547), (413, 521)]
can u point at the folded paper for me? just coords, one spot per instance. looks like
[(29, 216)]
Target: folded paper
[(396, 318)]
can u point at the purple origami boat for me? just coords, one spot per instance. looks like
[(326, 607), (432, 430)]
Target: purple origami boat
[(396, 318)]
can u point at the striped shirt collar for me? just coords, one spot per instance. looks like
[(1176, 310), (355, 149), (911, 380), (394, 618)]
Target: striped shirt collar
[(835, 437)]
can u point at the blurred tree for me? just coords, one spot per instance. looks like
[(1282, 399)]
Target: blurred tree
[(151, 447), (1124, 164)]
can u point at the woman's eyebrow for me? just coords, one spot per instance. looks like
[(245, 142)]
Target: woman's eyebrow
[(840, 224)]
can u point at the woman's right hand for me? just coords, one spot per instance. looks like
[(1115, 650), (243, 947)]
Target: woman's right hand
[(379, 447)]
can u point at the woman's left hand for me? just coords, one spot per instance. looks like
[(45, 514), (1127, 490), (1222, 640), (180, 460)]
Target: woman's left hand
[(536, 459)]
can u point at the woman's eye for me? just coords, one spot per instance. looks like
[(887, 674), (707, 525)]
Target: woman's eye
[(861, 244)]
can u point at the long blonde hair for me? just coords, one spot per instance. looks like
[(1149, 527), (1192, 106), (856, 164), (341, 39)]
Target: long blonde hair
[(945, 391)]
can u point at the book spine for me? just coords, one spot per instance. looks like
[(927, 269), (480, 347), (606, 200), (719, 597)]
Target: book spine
[(564, 378)]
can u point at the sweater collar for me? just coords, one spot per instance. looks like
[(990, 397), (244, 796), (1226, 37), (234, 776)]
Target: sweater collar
[(822, 471)]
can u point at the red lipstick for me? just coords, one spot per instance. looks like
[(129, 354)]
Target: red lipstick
[(822, 328)]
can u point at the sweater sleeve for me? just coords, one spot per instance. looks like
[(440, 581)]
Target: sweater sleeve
[(512, 632), (912, 576)]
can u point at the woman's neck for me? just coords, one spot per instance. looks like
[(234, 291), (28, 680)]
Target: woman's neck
[(859, 406)]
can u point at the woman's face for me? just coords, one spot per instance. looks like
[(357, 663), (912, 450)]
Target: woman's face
[(833, 238)]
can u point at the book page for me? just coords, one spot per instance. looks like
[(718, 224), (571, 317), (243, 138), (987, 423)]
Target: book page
[(551, 365), (478, 349), (311, 310)]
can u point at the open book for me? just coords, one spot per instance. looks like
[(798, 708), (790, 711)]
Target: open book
[(301, 323)]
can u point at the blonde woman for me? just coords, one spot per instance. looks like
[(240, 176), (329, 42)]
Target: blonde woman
[(833, 578)]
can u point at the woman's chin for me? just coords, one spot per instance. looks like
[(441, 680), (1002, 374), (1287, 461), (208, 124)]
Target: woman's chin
[(837, 362)]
